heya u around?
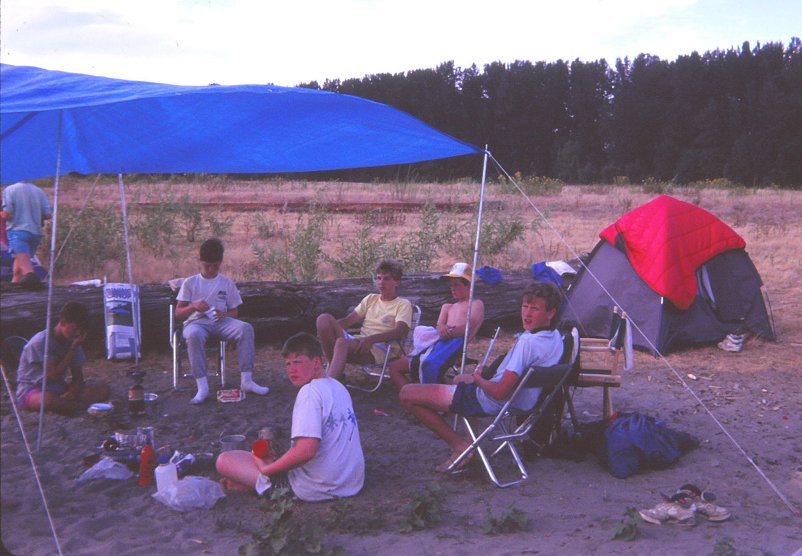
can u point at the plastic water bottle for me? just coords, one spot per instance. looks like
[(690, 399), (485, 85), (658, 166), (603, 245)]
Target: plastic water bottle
[(166, 474)]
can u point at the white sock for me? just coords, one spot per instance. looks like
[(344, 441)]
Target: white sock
[(248, 385), (203, 390)]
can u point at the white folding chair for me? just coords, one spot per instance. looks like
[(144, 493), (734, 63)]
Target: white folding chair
[(379, 370), (511, 426)]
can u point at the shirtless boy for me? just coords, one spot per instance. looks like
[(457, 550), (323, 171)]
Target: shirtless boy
[(450, 329)]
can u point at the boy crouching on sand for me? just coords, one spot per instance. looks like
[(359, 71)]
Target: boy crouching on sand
[(472, 395), (325, 459), (65, 352)]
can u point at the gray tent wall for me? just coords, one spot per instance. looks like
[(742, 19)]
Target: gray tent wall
[(729, 300)]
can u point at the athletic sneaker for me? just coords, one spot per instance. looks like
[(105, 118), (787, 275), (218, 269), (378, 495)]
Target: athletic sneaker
[(676, 509), (704, 502), (733, 343)]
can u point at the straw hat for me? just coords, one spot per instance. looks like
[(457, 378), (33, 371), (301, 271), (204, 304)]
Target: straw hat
[(459, 270)]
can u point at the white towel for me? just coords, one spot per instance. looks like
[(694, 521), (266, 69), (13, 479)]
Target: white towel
[(422, 338)]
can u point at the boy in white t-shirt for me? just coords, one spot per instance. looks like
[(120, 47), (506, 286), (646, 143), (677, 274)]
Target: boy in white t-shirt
[(209, 302), (472, 395), (325, 460), (385, 317)]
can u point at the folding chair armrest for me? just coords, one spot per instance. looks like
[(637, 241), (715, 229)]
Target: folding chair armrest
[(595, 344), (595, 379)]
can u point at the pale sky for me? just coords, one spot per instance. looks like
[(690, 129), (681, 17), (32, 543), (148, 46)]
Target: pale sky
[(197, 42)]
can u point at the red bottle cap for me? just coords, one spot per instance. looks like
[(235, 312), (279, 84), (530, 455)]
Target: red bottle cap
[(260, 448)]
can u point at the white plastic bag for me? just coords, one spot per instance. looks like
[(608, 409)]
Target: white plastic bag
[(106, 468), (191, 493)]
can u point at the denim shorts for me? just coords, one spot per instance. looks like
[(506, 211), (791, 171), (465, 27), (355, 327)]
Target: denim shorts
[(21, 241), (465, 402)]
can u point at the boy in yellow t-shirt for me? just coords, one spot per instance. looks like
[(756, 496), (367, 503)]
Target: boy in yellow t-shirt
[(385, 317)]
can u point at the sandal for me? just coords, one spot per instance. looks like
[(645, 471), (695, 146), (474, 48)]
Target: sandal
[(443, 467)]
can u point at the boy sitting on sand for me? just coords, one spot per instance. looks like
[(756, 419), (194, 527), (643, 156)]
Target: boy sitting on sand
[(209, 302), (325, 460), (385, 317), (471, 395), (64, 352), (447, 339)]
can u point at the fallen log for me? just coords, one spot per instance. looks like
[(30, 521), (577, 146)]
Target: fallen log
[(275, 309)]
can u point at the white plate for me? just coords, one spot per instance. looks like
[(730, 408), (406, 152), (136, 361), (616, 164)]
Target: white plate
[(151, 397), (100, 408)]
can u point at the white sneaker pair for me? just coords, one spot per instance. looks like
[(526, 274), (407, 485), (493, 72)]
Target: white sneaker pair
[(733, 343)]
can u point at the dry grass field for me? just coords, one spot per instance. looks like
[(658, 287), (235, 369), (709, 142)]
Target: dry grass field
[(566, 507)]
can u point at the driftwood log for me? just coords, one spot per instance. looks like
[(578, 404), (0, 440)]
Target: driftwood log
[(275, 309)]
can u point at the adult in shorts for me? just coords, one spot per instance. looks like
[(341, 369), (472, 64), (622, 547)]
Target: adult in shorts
[(25, 207)]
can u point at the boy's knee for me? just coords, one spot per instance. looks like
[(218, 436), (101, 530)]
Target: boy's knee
[(222, 462), (324, 322), (342, 344), (245, 330), (193, 335)]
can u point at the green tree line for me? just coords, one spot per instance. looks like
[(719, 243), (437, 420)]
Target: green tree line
[(734, 114)]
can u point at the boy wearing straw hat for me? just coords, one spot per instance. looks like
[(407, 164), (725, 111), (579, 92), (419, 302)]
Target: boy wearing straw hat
[(436, 348)]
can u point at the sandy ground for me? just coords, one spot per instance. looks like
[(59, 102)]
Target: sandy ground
[(572, 507)]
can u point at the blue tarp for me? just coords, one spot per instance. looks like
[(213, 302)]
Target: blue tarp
[(113, 126)]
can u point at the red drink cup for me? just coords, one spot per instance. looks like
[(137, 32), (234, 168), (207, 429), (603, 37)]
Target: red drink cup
[(260, 448)]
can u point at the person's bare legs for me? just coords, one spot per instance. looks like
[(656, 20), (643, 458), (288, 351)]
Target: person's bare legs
[(399, 370), (90, 393), (22, 266), (425, 402), (53, 403), (239, 468), (345, 350), (328, 331)]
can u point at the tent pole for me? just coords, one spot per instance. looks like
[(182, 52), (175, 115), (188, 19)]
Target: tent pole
[(49, 309), (473, 265), (134, 299), (473, 273)]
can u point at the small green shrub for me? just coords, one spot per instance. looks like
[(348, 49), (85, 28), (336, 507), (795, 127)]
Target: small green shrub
[(652, 186), (531, 185), (358, 257), (511, 520), (264, 227), (86, 240), (298, 260), (424, 510), (724, 547), (627, 528), (285, 534), (417, 250)]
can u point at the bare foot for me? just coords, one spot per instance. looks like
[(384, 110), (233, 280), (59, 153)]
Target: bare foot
[(443, 467), (233, 486)]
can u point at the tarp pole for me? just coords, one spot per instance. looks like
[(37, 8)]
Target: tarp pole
[(473, 274), (53, 226), (475, 259), (134, 299)]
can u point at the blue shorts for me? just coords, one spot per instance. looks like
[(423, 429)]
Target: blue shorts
[(465, 402), (21, 241)]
